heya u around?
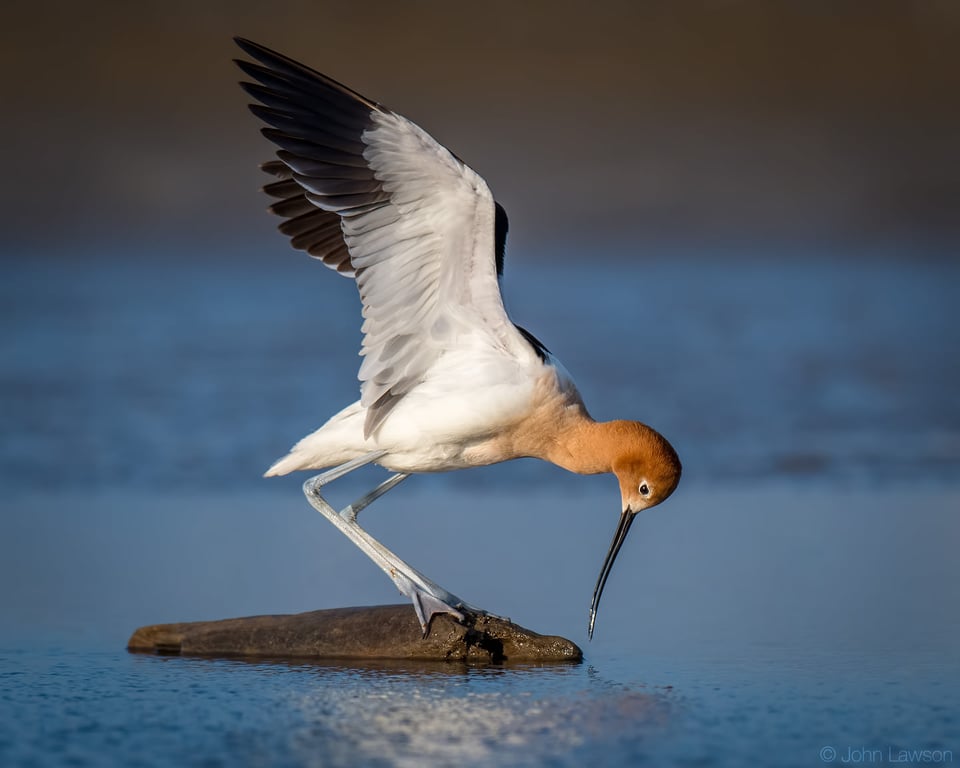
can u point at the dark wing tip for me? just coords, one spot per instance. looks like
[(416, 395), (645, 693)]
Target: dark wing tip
[(244, 43), (288, 67), (267, 55), (538, 346), (276, 168), (501, 225)]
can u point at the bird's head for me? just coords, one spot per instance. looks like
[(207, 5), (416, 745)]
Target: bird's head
[(648, 470), (646, 466)]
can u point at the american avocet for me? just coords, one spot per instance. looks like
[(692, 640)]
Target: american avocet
[(447, 380)]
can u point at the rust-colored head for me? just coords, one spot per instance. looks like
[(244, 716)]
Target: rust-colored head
[(646, 466), (648, 470)]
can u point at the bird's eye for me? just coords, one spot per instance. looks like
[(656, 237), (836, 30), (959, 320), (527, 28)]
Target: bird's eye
[(644, 490)]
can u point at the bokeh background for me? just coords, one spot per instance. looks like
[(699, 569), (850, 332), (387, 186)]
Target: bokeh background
[(736, 220), (714, 123)]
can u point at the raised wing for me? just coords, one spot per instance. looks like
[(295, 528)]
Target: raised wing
[(419, 225), (309, 228)]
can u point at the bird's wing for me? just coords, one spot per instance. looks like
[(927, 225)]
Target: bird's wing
[(420, 226), (309, 228)]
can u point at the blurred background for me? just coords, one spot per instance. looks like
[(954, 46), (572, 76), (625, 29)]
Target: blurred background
[(736, 220), (642, 124)]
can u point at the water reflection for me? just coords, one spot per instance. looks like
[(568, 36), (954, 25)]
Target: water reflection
[(119, 709), (374, 669), (473, 717), (399, 713)]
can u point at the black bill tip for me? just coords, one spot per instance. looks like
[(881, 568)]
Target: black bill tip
[(623, 527)]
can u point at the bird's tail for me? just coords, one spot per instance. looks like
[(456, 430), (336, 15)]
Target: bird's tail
[(337, 441), (289, 463)]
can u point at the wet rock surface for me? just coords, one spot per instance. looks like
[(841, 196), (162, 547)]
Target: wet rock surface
[(367, 632)]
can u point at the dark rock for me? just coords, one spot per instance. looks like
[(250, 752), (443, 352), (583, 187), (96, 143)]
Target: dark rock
[(374, 632)]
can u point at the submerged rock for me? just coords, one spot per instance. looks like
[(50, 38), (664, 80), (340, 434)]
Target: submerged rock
[(369, 632)]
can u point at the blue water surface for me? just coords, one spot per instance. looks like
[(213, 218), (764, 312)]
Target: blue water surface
[(796, 603), (172, 372), (103, 708)]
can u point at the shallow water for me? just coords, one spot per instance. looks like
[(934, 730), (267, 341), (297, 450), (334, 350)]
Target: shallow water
[(737, 627), (799, 593), (96, 708)]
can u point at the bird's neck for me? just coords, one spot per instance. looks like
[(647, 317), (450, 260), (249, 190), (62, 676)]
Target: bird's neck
[(585, 446)]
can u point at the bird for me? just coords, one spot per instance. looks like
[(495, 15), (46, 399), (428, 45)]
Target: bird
[(447, 381)]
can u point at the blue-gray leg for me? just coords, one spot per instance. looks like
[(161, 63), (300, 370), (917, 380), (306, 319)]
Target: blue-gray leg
[(428, 597)]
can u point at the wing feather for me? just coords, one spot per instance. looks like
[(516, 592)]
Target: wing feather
[(423, 235), (325, 240)]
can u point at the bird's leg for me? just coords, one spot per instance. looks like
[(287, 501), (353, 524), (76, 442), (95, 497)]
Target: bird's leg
[(351, 511), (428, 597)]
